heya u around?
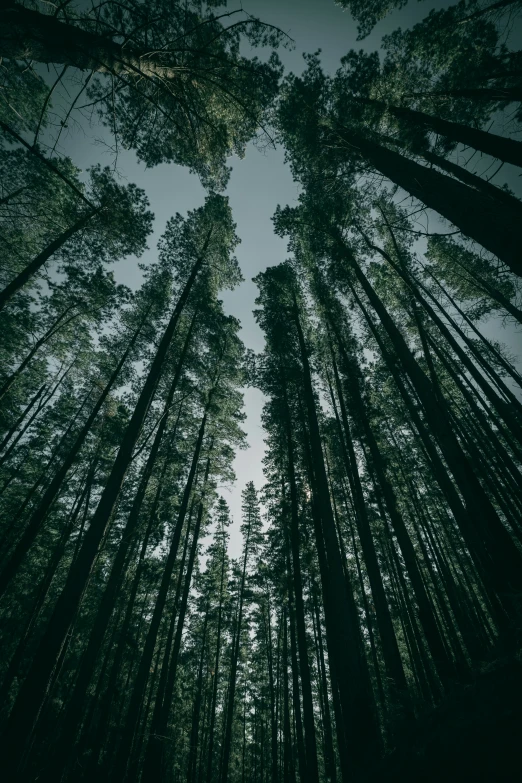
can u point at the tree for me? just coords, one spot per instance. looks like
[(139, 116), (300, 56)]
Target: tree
[(115, 224), (168, 80), (208, 248), (251, 529), (315, 123)]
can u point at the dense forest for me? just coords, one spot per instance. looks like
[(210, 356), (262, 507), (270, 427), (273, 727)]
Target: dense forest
[(370, 627)]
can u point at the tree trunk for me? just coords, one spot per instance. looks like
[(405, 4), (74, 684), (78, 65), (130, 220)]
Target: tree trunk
[(390, 647), (29, 35), (236, 642), (77, 698), (288, 767), (37, 263), (464, 520), (43, 589), (154, 754), (507, 150), (329, 754), (298, 717), (194, 730), (473, 180), (505, 560), (30, 405), (51, 331), (492, 226), (213, 702), (358, 721), (426, 617), (306, 683)]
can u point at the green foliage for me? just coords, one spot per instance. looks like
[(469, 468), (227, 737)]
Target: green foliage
[(378, 568)]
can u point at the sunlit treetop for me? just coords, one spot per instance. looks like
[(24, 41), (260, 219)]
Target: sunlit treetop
[(167, 77)]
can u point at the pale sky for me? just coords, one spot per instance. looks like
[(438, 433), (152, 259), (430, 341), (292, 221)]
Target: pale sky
[(258, 183)]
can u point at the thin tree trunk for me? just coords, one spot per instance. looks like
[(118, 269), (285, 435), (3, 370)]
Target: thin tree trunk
[(32, 402), (43, 589), (426, 617), (466, 526), (51, 331), (194, 730), (329, 754), (236, 642), (288, 768), (37, 263), (306, 684), (505, 560), (213, 701), (154, 754), (358, 721), (76, 701), (390, 647)]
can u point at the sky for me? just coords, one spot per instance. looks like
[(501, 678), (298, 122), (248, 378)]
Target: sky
[(258, 183)]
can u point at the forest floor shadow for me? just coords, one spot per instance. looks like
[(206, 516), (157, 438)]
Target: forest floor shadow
[(474, 735)]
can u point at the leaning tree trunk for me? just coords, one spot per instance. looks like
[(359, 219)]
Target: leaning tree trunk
[(492, 226), (462, 517), (37, 263), (28, 408), (426, 617), (43, 589), (507, 150), (391, 654), (507, 562), (105, 609), (29, 35), (51, 331)]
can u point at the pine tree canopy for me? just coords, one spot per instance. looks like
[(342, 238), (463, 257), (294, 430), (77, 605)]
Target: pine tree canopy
[(260, 391)]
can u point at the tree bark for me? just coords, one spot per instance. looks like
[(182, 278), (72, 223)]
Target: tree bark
[(30, 35)]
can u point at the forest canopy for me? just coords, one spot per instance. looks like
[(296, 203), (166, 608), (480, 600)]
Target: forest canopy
[(356, 615)]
